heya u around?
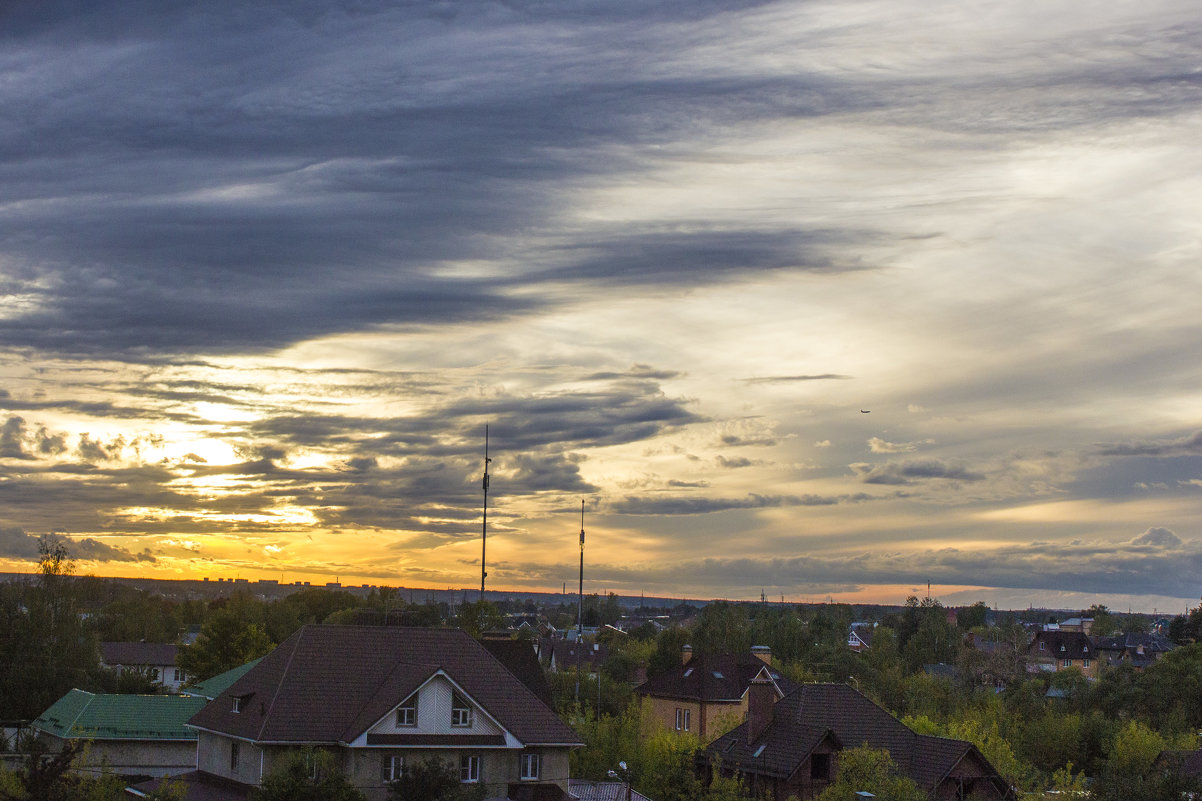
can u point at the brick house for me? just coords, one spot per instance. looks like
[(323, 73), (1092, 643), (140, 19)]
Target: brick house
[(698, 694), (1051, 651)]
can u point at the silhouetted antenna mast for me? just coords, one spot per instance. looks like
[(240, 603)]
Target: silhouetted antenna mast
[(580, 605), (484, 529)]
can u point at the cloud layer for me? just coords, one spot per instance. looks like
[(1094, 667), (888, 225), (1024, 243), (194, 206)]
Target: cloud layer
[(830, 294)]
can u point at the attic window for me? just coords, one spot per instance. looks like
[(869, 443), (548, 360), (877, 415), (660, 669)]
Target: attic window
[(406, 713), (238, 699), (730, 746), (461, 712), (1085, 648), (718, 674), (759, 750), (688, 672)]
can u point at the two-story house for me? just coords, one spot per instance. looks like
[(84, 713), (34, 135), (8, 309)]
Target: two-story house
[(706, 690), (381, 698), (789, 748), (1137, 650), (1059, 650)]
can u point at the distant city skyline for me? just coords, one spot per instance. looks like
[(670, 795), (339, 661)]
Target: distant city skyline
[(817, 299)]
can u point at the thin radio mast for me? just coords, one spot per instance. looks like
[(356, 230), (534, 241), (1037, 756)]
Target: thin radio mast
[(484, 528), (580, 606)]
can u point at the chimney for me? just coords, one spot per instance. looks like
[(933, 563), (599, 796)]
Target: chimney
[(761, 695), (686, 653), (762, 653)]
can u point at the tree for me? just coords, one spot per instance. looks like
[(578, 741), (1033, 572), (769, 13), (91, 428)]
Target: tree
[(479, 617), (973, 617), (872, 770), (306, 774), (233, 636), (1104, 623), (433, 779), (1134, 751)]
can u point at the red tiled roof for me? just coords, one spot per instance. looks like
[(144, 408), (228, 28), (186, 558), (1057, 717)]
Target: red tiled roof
[(329, 684)]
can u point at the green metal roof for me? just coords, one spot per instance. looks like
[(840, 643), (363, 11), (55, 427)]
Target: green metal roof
[(84, 715), (211, 688)]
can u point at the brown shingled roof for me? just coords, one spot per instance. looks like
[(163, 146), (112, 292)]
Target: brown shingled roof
[(723, 677), (329, 684), (812, 712)]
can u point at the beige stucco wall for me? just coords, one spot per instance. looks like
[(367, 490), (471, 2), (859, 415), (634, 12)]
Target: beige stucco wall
[(213, 756), (130, 758), (498, 767)]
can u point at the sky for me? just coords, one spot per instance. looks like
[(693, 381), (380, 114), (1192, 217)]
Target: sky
[(821, 299)]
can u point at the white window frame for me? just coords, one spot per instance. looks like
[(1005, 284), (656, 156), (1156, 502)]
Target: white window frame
[(392, 766), (469, 769), (688, 719), (406, 713), (237, 703), (461, 712), (531, 766), (1066, 663), (679, 719), (179, 674)]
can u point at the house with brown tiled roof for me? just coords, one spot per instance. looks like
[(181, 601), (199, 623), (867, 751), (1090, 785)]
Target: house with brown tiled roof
[(694, 696), (1137, 650), (379, 698), (1051, 651), (790, 748)]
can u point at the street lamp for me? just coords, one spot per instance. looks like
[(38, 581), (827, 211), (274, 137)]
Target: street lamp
[(624, 776)]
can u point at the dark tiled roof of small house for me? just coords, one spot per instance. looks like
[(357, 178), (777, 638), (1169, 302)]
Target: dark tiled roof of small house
[(1062, 645), (724, 677), (330, 684), (138, 653)]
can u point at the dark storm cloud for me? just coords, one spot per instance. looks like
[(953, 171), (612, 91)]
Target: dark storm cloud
[(1156, 562), (698, 506), (1184, 446), (235, 178), (15, 543), (914, 470), (789, 379)]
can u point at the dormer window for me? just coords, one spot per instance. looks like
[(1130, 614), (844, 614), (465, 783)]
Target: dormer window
[(688, 672), (461, 711), (406, 713), (238, 699), (1043, 646)]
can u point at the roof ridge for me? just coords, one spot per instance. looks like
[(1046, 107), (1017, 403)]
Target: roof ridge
[(91, 697), (300, 634), (397, 664)]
